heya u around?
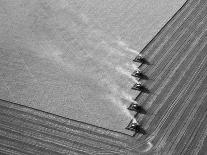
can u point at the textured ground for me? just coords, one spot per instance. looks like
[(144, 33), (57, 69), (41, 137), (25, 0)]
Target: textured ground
[(62, 56), (177, 120)]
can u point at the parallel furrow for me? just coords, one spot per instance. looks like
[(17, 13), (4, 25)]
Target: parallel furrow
[(48, 137), (168, 43), (180, 15), (190, 127), (173, 46), (173, 71), (11, 146), (40, 126), (186, 85), (181, 77), (64, 127), (4, 150), (154, 116), (179, 94), (38, 141), (170, 58), (27, 126), (159, 53), (182, 110), (189, 149), (201, 141)]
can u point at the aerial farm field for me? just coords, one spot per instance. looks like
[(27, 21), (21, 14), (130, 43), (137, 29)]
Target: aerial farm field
[(74, 58), (177, 106)]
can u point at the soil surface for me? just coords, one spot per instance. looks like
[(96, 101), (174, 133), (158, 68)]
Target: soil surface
[(74, 58)]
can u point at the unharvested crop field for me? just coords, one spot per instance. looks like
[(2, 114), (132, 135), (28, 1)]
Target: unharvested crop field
[(63, 57)]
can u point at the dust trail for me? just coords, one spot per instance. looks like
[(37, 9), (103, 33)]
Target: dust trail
[(128, 97), (115, 98), (122, 106), (107, 57), (132, 51), (125, 46), (116, 51), (125, 72), (135, 67), (122, 43)]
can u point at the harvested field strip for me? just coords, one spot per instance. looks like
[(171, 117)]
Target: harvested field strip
[(189, 148), (178, 116), (15, 148), (169, 57), (62, 126), (170, 42), (180, 79), (41, 133), (27, 139), (175, 70), (201, 143), (192, 129), (170, 60), (177, 105), (188, 19), (171, 107), (177, 19), (66, 129), (58, 138), (51, 128), (173, 45)]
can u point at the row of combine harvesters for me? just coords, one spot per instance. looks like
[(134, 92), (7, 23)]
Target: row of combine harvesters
[(134, 125)]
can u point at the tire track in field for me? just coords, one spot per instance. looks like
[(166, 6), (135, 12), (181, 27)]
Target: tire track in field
[(158, 129), (196, 11), (170, 75), (200, 143), (196, 131), (144, 96), (154, 115), (172, 89), (28, 127), (63, 130), (95, 134), (180, 78), (179, 37), (183, 131), (166, 30), (167, 131), (171, 58)]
